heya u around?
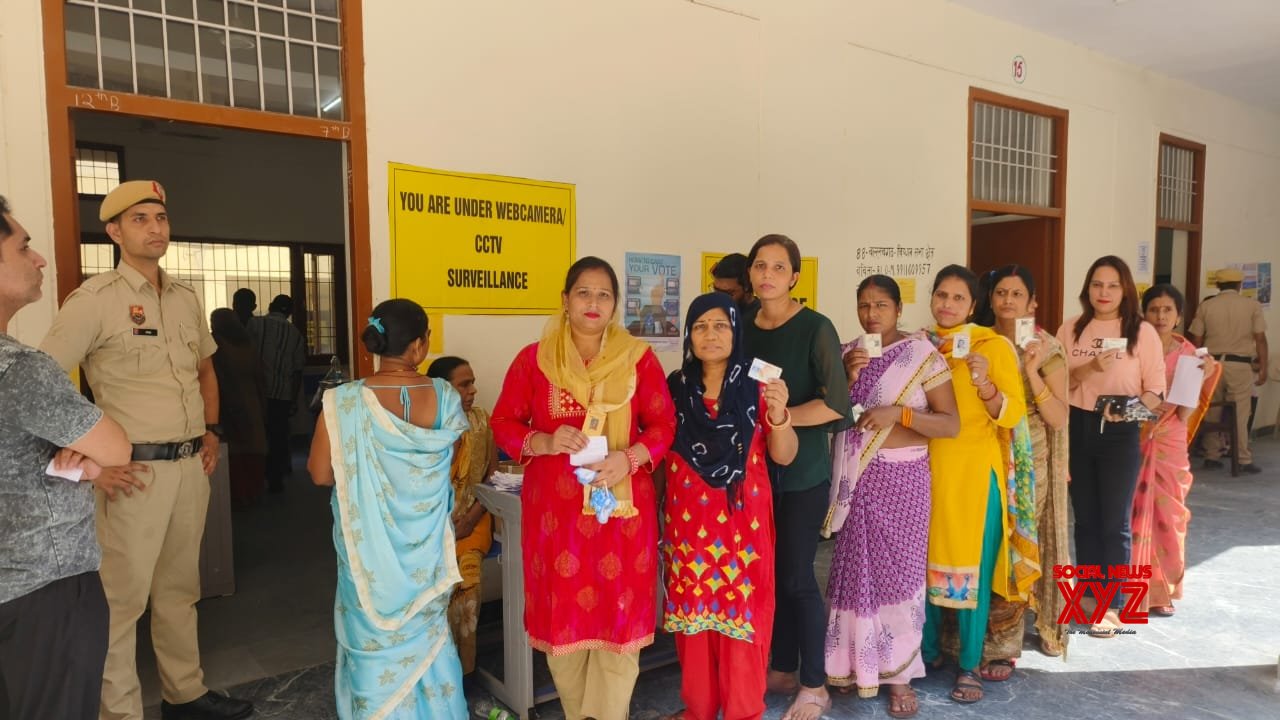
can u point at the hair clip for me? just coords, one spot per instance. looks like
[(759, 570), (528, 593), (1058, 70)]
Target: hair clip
[(377, 325)]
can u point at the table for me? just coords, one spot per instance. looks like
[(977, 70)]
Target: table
[(515, 689)]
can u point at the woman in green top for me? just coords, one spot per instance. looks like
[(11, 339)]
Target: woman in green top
[(805, 345)]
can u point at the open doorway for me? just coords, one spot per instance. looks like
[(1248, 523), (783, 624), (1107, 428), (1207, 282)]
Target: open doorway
[(1017, 193), (266, 212)]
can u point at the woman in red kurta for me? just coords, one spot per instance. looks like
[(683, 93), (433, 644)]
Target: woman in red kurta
[(589, 586), (718, 514)]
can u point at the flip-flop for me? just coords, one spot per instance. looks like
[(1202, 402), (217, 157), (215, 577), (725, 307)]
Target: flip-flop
[(807, 697), (1163, 610), (967, 680), (986, 674), (908, 695)]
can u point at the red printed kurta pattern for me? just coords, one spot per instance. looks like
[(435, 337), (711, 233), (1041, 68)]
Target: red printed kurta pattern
[(587, 586)]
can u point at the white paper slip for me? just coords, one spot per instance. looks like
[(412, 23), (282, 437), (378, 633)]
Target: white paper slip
[(1188, 376), (72, 474), (1114, 344), (762, 371), (873, 344), (1025, 331), (960, 345), (596, 450)]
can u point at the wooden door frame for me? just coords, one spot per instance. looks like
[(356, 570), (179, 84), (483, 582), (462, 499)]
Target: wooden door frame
[(63, 99), (1194, 229), (1058, 213)]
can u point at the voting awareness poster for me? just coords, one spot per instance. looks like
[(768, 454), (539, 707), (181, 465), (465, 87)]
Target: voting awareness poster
[(651, 309)]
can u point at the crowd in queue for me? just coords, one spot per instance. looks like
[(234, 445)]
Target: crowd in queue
[(938, 458)]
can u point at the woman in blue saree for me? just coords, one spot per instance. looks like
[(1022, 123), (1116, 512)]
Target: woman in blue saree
[(385, 445)]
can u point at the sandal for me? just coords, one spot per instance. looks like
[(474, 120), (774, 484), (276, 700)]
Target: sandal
[(1050, 647), (1107, 628), (989, 670), (1163, 610), (804, 706), (967, 681), (903, 704)]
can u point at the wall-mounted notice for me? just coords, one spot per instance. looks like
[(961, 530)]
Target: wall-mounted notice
[(1143, 267), (806, 289), (469, 244), (651, 309), (906, 264)]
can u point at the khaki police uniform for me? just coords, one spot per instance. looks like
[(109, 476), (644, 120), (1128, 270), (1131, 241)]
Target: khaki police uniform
[(141, 350), (1228, 322)]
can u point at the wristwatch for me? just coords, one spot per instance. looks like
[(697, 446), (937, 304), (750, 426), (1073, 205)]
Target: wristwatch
[(215, 428)]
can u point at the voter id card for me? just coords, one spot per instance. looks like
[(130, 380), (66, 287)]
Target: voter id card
[(960, 345), (762, 371), (1114, 344), (873, 344), (1025, 331)]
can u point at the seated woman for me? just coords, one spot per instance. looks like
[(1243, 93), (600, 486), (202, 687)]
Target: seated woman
[(718, 515), (386, 444), (475, 458)]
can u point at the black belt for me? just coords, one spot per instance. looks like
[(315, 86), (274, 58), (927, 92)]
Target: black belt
[(1228, 357), (143, 452)]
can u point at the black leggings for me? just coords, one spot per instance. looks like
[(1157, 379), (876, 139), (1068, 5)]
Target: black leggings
[(800, 618), (1104, 473)]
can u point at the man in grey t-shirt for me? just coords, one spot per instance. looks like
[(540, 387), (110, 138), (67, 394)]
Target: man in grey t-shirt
[(53, 614)]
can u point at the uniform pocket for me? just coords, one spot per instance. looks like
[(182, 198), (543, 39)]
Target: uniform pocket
[(189, 335), (148, 351)]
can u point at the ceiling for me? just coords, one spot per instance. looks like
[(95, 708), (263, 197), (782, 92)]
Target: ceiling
[(1231, 47)]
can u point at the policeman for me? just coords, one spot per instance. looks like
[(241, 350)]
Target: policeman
[(141, 337), (1232, 327)]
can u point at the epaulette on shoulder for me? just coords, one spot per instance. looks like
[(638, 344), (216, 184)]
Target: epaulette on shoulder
[(100, 281)]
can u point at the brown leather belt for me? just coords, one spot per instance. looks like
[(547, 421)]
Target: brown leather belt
[(1227, 357), (143, 452)]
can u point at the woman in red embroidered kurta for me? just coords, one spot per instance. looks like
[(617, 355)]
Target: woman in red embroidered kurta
[(589, 587), (718, 511)]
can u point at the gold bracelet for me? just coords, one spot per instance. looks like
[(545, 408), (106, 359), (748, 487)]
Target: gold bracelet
[(784, 423), (1043, 395), (906, 417)]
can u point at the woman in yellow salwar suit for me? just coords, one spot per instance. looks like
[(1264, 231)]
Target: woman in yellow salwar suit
[(969, 551)]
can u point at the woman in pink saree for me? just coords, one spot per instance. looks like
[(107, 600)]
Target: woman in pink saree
[(1160, 512)]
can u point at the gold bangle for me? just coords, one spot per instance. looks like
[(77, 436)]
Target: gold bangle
[(906, 417), (784, 423), (1043, 395)]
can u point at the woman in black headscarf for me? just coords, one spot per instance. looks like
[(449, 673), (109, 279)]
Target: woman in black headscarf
[(718, 539)]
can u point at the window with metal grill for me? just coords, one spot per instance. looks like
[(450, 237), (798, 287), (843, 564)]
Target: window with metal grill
[(1013, 156), (277, 55), (217, 269), (1177, 186), (97, 168)]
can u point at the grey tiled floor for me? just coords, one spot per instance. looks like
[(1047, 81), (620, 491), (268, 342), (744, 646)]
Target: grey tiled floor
[(1216, 660)]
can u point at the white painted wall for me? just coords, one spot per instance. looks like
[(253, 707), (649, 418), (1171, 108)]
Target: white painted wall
[(687, 127), (24, 150)]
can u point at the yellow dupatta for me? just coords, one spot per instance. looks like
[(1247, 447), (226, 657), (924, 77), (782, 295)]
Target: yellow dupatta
[(605, 386)]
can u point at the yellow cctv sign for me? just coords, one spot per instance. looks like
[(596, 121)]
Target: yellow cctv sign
[(806, 289), (479, 244)]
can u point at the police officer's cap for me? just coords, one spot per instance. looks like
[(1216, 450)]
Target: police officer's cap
[(128, 194)]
